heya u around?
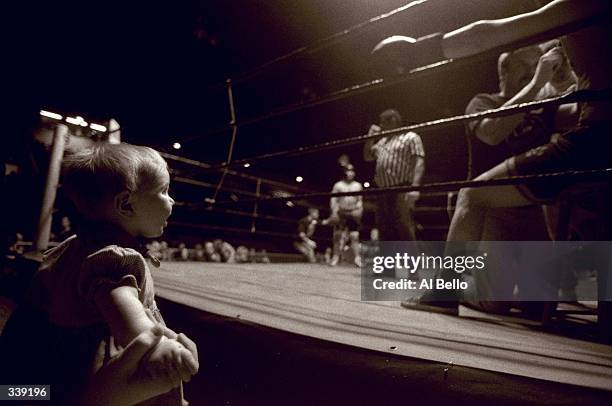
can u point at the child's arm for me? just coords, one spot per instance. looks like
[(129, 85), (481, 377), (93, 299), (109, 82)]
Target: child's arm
[(127, 318), (111, 278), (122, 310)]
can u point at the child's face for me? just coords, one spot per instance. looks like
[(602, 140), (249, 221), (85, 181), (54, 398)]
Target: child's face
[(152, 209)]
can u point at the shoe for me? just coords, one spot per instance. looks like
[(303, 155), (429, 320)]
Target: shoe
[(357, 262), (429, 302), (334, 260), (502, 308)]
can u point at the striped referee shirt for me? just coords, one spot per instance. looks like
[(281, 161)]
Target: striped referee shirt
[(395, 158)]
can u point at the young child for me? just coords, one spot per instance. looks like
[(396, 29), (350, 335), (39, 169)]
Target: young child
[(94, 293)]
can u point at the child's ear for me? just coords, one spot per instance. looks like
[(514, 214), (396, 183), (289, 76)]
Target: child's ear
[(122, 204)]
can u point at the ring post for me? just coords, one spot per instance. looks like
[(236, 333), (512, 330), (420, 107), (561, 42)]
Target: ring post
[(258, 194), (234, 125), (41, 241)]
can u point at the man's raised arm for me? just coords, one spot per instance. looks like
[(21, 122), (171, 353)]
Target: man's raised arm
[(485, 35)]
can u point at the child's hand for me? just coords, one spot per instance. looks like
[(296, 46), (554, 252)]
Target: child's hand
[(124, 374), (193, 349), (172, 360), (187, 342)]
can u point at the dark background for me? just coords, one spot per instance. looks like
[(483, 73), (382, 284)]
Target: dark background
[(157, 66)]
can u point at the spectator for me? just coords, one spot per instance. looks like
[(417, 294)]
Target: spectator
[(198, 253), (242, 254), (154, 249), (210, 253), (106, 298), (182, 253), (225, 250), (374, 234), (66, 228), (165, 251), (253, 257), (263, 257)]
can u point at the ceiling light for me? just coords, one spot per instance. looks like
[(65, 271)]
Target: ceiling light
[(78, 120), (49, 114), (97, 127)]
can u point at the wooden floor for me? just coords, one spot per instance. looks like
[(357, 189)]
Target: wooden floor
[(323, 302)]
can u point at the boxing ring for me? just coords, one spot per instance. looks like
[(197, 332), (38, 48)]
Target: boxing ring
[(324, 303)]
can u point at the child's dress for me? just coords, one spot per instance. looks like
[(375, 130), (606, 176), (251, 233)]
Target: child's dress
[(58, 336)]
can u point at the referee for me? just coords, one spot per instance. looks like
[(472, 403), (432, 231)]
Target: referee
[(400, 160)]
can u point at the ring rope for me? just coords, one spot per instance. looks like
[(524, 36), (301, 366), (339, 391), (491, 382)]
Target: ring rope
[(207, 166), (255, 206), (239, 213), (571, 97), (199, 183), (414, 74), (577, 176), (323, 43), (230, 152), (239, 230), (333, 39), (351, 91), (195, 182), (271, 233), (259, 216)]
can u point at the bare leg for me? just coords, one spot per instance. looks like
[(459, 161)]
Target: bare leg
[(355, 246), (473, 203), (307, 251), (338, 243), (467, 225)]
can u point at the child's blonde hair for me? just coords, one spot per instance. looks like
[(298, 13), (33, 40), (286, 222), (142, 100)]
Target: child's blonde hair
[(93, 176)]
